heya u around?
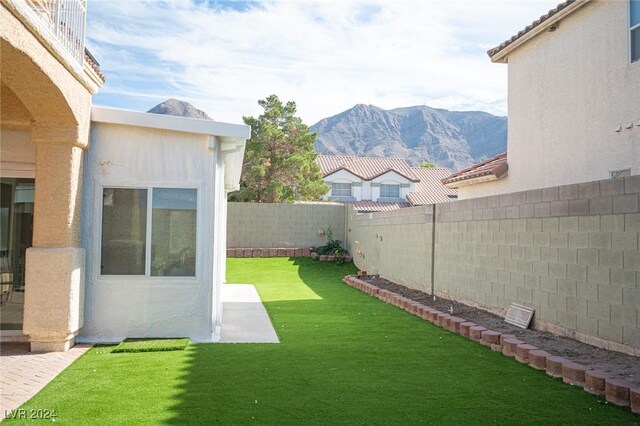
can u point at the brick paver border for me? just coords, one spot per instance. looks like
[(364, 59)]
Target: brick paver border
[(24, 373), (616, 391)]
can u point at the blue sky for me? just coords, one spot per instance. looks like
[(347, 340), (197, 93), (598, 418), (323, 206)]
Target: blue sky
[(222, 56)]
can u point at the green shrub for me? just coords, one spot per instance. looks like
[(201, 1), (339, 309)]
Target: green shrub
[(332, 248)]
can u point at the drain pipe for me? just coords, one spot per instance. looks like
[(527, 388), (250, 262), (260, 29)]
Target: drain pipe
[(433, 248), (346, 227)]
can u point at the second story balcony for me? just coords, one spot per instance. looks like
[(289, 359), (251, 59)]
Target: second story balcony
[(59, 22)]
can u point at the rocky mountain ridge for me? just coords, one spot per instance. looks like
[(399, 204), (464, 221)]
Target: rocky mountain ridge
[(454, 139)]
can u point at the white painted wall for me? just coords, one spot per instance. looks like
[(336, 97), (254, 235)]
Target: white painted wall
[(119, 307), (343, 176), (568, 90), (366, 191), (392, 178), (484, 189)]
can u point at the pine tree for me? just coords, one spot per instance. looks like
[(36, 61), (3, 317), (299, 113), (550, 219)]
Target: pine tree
[(279, 163)]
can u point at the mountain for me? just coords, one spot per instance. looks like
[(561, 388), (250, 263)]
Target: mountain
[(450, 139), (179, 108)]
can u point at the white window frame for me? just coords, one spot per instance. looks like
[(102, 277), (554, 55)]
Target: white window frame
[(147, 277), (635, 27), (333, 194), (390, 185)]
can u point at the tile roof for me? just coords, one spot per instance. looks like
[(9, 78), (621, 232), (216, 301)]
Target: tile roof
[(366, 168), (495, 166), (492, 52), (365, 206), (93, 63), (360, 206), (318, 203), (430, 189)]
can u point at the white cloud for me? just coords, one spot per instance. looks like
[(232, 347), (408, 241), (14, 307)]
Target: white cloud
[(326, 56)]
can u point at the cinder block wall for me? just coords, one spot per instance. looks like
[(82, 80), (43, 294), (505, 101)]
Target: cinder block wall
[(570, 252), (395, 244), (261, 225)]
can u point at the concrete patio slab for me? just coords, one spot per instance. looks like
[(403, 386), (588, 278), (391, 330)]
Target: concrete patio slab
[(244, 318)]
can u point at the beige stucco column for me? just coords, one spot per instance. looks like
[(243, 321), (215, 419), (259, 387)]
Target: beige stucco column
[(55, 92), (55, 265)]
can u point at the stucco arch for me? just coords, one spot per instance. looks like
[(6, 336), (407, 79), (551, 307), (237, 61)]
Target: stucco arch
[(14, 113), (46, 110), (18, 154), (58, 101), (34, 88)]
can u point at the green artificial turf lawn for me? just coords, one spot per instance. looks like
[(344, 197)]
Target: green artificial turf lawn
[(345, 358), (151, 345)]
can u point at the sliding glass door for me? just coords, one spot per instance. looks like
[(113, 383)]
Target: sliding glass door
[(16, 230)]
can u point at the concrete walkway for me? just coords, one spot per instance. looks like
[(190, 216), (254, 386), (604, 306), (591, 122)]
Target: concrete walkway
[(244, 318), (24, 373)]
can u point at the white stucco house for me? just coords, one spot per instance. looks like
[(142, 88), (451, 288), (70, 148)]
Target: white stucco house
[(154, 224), (112, 223), (574, 98), (378, 183)]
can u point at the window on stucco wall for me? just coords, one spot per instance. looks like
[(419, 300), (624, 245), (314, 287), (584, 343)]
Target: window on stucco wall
[(173, 232), (341, 190), (389, 191), (127, 248), (124, 231), (634, 25)]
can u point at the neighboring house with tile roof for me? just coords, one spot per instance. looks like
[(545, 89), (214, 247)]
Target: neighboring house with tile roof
[(574, 97), (360, 206), (430, 189), (488, 172), (378, 184)]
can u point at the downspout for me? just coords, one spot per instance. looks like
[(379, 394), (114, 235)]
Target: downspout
[(226, 182), (346, 227), (433, 248), (213, 182)]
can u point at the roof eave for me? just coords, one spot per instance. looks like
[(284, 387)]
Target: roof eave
[(414, 180), (170, 122), (502, 55), (474, 180), (93, 73), (500, 170), (346, 170)]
